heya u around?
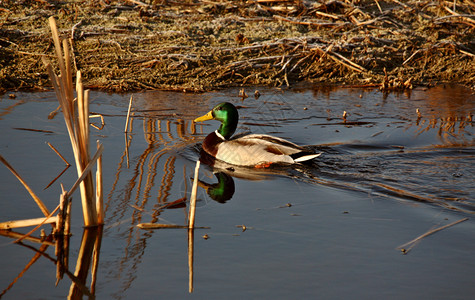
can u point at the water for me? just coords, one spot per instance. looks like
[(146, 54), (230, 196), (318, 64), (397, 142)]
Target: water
[(329, 229)]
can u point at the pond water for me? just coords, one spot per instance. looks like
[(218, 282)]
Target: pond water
[(333, 228)]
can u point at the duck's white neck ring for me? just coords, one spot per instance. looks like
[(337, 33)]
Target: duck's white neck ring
[(219, 134)]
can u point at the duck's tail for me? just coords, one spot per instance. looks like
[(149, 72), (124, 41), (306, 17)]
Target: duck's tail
[(304, 156)]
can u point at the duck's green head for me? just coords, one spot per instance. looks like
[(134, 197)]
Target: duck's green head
[(227, 114)]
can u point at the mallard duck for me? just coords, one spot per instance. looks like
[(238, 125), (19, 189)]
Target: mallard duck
[(251, 150)]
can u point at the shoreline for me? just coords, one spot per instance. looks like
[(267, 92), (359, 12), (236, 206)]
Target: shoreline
[(200, 46)]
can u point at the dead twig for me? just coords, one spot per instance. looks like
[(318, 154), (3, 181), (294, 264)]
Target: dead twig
[(34, 130), (312, 24), (470, 20), (432, 231), (102, 121), (59, 154), (38, 201), (56, 178), (165, 226), (340, 59), (39, 225)]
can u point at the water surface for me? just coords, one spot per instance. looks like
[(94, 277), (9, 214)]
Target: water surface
[(329, 229)]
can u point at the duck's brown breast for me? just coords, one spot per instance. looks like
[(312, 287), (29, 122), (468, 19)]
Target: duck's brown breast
[(211, 143)]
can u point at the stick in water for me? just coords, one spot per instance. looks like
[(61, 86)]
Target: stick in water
[(427, 234), (191, 220), (128, 114)]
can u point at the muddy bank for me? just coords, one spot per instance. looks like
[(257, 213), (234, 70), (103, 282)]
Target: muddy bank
[(203, 45)]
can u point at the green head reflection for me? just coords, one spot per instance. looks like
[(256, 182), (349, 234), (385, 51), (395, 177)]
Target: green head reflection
[(221, 191)]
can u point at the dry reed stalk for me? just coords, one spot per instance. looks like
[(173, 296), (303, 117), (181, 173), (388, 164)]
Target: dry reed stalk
[(58, 252), (63, 202), (56, 178), (128, 115), (86, 186), (99, 198), (191, 219), (86, 170), (102, 121), (28, 222), (67, 222), (54, 112), (59, 154), (379, 6), (77, 121), (55, 219), (32, 129), (40, 203)]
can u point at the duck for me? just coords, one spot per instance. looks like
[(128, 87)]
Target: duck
[(248, 150)]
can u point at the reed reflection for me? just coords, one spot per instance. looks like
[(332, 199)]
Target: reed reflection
[(446, 110), (88, 254), (87, 261), (155, 183), (449, 110), (153, 180)]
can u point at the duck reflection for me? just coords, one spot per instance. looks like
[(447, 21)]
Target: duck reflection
[(225, 173), (221, 191)]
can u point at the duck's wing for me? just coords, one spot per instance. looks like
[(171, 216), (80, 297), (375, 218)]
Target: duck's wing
[(276, 144), (254, 149)]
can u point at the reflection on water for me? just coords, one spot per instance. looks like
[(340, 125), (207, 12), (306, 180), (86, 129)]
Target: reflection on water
[(415, 147), (450, 112), (404, 154), (221, 191), (87, 261)]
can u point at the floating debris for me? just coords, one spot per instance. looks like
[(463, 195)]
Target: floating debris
[(242, 226), (242, 94), (345, 114)]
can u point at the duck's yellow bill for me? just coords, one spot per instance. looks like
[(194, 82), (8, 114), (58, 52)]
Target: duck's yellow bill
[(208, 116)]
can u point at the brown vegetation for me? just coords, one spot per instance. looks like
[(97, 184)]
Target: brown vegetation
[(202, 45)]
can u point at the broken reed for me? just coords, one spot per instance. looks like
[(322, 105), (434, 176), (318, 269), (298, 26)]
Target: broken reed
[(76, 117)]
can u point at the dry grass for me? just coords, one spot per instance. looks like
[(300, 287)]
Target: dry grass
[(201, 45)]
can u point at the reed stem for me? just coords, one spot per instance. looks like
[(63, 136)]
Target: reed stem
[(77, 123), (128, 114), (191, 220)]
